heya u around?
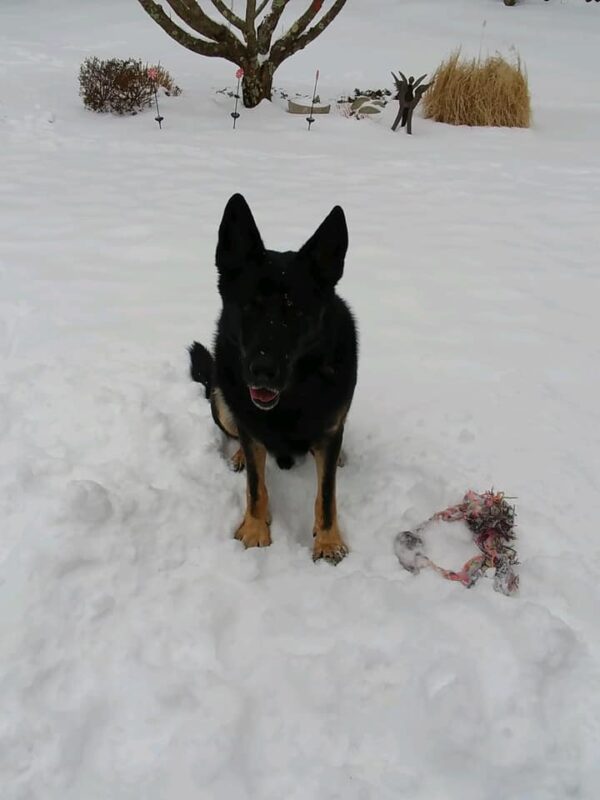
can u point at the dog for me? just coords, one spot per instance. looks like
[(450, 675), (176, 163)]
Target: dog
[(284, 368)]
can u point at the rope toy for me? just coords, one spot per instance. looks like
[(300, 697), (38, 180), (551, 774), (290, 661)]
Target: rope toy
[(491, 520)]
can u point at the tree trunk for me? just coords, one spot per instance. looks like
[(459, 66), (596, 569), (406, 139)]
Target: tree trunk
[(257, 84)]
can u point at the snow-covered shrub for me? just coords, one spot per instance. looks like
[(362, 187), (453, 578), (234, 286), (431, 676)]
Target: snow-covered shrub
[(121, 86), (491, 91), (363, 103), (372, 94)]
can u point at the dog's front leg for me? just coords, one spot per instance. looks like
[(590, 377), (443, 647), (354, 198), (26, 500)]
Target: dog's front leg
[(328, 542), (254, 530)]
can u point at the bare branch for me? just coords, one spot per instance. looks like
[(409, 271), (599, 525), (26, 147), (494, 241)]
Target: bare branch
[(228, 14), (291, 43), (251, 37), (201, 46), (320, 26), (262, 7), (191, 13), (269, 23), (305, 19)]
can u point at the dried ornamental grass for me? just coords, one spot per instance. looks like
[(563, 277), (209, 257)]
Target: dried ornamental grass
[(491, 92)]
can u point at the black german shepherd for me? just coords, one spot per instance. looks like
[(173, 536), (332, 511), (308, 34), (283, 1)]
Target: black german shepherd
[(284, 366)]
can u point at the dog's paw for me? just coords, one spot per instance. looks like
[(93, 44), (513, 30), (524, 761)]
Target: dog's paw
[(330, 548), (253, 533), (237, 462)]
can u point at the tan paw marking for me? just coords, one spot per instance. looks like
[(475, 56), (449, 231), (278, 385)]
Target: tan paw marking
[(254, 533), (330, 547)]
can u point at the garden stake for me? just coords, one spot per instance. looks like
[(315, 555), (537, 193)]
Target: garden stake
[(153, 75), (310, 119), (239, 75)]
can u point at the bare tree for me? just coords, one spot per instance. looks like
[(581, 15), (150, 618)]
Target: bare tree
[(248, 41)]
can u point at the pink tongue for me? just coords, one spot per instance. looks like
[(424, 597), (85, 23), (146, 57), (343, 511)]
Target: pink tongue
[(262, 395)]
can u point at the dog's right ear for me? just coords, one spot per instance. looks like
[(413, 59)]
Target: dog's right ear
[(239, 240)]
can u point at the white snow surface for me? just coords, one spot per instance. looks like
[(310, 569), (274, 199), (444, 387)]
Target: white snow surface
[(144, 655)]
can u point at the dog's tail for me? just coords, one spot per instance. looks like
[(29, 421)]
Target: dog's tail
[(201, 366)]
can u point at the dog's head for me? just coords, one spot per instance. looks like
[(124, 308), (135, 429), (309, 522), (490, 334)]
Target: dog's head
[(275, 301)]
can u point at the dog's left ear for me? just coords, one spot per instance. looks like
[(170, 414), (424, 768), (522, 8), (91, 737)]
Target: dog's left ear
[(326, 249)]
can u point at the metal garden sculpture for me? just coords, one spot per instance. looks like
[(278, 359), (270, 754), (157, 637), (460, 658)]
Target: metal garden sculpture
[(409, 92)]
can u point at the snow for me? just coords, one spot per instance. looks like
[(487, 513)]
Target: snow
[(143, 653)]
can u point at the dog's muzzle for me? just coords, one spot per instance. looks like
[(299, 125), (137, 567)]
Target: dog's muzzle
[(264, 398)]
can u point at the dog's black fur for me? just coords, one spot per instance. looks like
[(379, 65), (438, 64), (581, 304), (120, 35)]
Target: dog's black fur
[(284, 332)]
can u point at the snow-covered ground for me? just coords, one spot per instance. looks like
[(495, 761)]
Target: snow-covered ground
[(143, 654)]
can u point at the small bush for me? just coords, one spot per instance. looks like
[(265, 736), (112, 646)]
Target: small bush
[(166, 82), (121, 86), (491, 91)]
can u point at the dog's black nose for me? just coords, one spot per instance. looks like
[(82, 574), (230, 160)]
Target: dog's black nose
[(263, 371)]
